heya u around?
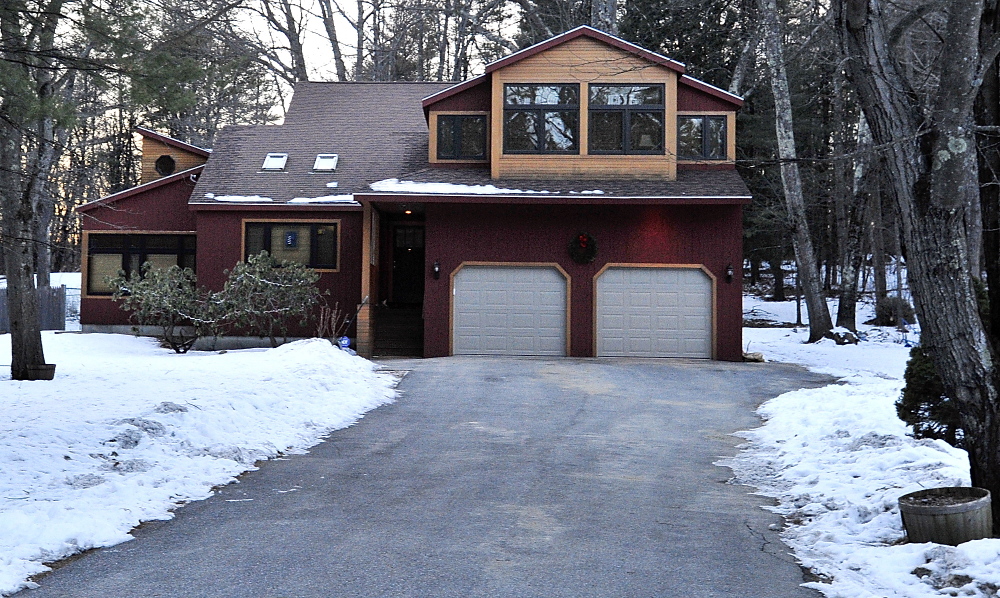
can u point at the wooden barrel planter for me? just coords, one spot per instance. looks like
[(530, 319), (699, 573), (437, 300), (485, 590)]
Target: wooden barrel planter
[(947, 515), (45, 371)]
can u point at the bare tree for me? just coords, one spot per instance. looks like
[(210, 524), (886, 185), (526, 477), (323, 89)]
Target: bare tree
[(927, 139), (819, 315)]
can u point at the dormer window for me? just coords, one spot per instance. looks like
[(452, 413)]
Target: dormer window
[(701, 138), (461, 137), (626, 119), (325, 162), (274, 162), (541, 119)]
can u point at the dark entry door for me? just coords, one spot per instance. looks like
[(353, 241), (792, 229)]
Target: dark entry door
[(408, 265)]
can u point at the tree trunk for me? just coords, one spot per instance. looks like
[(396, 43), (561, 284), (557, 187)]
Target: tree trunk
[(805, 258), (853, 233), (930, 160), (327, 13), (877, 240), (359, 56), (988, 115), (18, 225), (604, 15), (777, 274)]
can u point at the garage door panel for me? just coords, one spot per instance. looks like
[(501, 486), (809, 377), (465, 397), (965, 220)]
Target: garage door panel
[(654, 312), (515, 310)]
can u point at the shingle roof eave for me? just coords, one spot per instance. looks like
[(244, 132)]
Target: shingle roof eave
[(108, 199), (689, 184), (182, 145)]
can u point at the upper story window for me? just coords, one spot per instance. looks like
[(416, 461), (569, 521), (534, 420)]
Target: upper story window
[(540, 119), (311, 244), (701, 138), (626, 119), (461, 137)]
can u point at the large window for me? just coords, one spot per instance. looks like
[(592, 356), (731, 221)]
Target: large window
[(107, 254), (626, 119), (461, 137), (540, 119), (701, 138), (312, 244)]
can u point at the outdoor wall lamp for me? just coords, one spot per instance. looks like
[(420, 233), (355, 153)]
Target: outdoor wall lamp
[(436, 268), (729, 273)]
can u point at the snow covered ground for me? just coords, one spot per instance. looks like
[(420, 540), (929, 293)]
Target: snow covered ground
[(837, 459), (129, 431)]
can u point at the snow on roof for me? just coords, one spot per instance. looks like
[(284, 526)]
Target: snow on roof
[(239, 198), (398, 186), (341, 199)]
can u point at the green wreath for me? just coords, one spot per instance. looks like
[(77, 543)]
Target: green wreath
[(583, 248)]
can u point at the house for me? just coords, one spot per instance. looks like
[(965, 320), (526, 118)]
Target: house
[(578, 198)]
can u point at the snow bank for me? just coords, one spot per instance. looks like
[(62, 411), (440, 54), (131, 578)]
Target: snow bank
[(129, 431), (838, 458)]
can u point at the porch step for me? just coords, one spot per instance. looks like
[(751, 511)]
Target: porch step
[(399, 331)]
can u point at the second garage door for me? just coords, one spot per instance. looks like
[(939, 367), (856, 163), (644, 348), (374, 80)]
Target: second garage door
[(654, 312), (509, 310)]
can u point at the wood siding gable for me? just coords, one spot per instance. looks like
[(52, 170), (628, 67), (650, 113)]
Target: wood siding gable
[(584, 60)]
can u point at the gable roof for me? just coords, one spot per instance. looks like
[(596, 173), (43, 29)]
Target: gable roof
[(590, 32), (585, 31), (133, 191), (377, 130), (181, 145)]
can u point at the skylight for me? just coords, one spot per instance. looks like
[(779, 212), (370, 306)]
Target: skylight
[(275, 162), (326, 162)]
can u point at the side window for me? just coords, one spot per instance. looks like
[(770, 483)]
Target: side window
[(626, 119), (107, 254), (461, 137), (541, 119), (701, 138), (313, 244)]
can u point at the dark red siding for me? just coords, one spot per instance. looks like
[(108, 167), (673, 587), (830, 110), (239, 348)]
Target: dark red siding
[(162, 208), (695, 100), (707, 235), (476, 98), (220, 243)]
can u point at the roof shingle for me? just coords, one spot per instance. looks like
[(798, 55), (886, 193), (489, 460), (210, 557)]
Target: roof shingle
[(377, 129)]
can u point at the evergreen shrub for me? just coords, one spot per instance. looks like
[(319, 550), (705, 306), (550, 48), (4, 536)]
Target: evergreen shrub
[(259, 298), (923, 404), (893, 311)]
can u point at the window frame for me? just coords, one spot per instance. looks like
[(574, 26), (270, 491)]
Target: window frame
[(627, 110), (127, 251), (725, 117), (539, 110), (274, 162), (436, 155), (313, 224), (326, 163)]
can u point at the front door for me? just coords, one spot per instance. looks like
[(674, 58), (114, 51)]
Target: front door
[(408, 265)]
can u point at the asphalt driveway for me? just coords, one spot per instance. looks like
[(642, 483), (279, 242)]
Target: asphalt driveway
[(488, 478)]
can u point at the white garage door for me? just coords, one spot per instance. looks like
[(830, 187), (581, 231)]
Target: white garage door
[(654, 312), (509, 310)]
